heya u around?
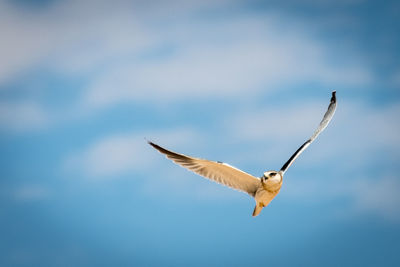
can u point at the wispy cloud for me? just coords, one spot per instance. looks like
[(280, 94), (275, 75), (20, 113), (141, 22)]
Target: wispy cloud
[(61, 36), (22, 116), (375, 197), (277, 123), (360, 128), (143, 53), (238, 62), (110, 157), (122, 153), (79, 36), (379, 197)]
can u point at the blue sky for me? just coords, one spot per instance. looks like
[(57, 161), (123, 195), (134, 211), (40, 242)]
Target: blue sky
[(83, 83)]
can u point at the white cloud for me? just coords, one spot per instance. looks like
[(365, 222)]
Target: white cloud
[(22, 116), (379, 196), (233, 57), (110, 156), (78, 36), (122, 153), (356, 127), (72, 36), (20, 46), (277, 123)]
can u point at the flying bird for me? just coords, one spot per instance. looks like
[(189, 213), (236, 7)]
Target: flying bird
[(263, 189)]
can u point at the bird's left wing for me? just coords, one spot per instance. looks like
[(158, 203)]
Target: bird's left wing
[(325, 121), (217, 171)]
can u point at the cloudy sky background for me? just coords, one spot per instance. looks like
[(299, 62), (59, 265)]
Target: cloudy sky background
[(83, 83)]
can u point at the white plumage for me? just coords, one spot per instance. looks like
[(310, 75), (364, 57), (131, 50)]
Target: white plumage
[(263, 189)]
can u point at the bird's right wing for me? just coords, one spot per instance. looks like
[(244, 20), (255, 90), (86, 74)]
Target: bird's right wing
[(325, 121), (217, 171)]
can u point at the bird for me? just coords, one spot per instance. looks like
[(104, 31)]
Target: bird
[(263, 189)]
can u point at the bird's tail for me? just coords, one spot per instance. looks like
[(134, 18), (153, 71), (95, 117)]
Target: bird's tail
[(257, 209)]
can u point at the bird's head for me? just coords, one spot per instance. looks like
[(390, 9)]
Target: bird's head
[(271, 178)]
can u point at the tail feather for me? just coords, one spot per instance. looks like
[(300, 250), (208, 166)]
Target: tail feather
[(257, 209)]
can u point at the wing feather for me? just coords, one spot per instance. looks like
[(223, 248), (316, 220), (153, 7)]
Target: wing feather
[(219, 172)]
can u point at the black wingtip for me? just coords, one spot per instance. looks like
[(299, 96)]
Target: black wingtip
[(333, 98), (161, 149), (151, 143)]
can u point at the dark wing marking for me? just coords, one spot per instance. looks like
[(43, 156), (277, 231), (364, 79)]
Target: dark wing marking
[(217, 171), (325, 121)]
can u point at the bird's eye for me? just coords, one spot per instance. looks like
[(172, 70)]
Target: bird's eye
[(272, 173)]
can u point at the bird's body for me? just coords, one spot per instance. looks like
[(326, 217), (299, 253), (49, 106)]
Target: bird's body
[(269, 189), (263, 189)]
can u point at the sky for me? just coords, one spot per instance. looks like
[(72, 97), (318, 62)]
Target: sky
[(84, 83)]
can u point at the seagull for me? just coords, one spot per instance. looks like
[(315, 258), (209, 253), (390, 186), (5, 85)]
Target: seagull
[(263, 189)]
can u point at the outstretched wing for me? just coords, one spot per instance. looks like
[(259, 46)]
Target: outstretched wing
[(325, 120), (217, 171)]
